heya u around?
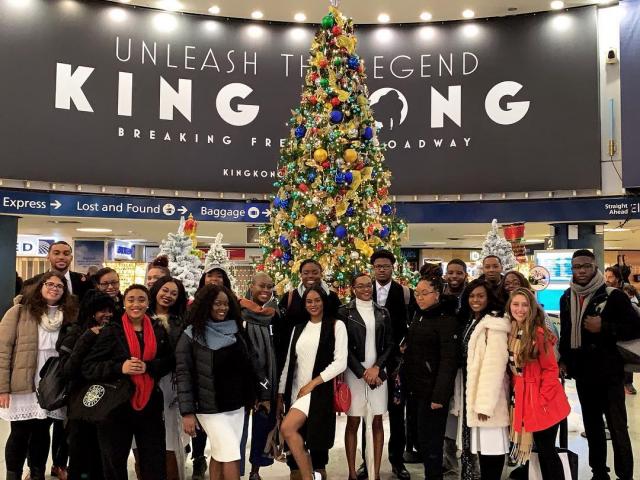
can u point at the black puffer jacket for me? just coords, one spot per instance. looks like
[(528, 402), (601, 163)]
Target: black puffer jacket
[(214, 381), (110, 351), (431, 357), (357, 332)]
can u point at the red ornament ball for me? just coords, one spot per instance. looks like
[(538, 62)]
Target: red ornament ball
[(335, 101), (359, 166), (303, 187), (323, 63), (336, 30), (277, 253), (326, 165), (313, 99), (319, 246), (313, 76), (383, 191), (323, 228)]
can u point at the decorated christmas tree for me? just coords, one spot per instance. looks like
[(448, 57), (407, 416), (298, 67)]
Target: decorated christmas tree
[(184, 261), (332, 202), (497, 245), (219, 257)]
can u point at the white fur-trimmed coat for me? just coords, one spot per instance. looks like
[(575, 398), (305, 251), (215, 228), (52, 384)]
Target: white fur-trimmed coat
[(487, 390)]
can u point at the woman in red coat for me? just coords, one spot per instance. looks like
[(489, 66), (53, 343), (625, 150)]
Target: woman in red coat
[(540, 403)]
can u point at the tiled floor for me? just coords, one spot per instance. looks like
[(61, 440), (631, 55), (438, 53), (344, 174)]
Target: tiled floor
[(337, 466)]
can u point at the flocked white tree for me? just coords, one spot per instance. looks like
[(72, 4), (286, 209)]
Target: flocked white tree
[(497, 245), (219, 257), (184, 264)]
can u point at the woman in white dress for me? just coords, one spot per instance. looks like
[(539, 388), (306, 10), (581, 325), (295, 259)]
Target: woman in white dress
[(28, 335), (485, 358), (317, 354), (370, 344)]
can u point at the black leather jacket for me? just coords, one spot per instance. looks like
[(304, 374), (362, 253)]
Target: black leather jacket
[(357, 332)]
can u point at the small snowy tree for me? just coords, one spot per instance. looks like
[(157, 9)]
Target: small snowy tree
[(184, 263), (497, 245), (218, 257)]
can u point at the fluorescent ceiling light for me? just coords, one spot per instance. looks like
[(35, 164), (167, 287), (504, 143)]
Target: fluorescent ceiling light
[(617, 229), (468, 13), (214, 10), (557, 5), (170, 5), (94, 230), (425, 16), (299, 17), (257, 14), (384, 18)]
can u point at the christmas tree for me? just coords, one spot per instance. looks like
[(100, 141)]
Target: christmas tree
[(184, 262), (332, 202), (217, 256), (497, 245)]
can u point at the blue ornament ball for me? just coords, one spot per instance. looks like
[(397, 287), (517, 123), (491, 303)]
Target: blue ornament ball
[(311, 177), (300, 131), (286, 257), (336, 116), (386, 209), (341, 231), (284, 241), (384, 233), (276, 202), (284, 203), (367, 133), (353, 62), (340, 177), (348, 177), (351, 211)]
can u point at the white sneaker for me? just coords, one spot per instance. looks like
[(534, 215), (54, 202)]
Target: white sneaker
[(317, 476)]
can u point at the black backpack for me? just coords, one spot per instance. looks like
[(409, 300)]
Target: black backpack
[(53, 390)]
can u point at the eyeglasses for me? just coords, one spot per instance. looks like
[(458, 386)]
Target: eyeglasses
[(584, 266), (383, 267), (114, 283), (54, 286), (423, 293), (363, 286)]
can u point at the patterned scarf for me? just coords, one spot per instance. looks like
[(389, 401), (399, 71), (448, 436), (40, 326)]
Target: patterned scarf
[(522, 440), (578, 307)]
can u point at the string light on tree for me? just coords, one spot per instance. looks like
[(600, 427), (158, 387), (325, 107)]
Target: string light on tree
[(332, 202)]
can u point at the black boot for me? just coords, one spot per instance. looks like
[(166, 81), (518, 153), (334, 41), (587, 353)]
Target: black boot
[(14, 476), (37, 473), (199, 468)]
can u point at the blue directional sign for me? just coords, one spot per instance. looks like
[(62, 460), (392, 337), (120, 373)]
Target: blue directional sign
[(25, 202)]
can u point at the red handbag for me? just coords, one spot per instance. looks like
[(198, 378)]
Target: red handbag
[(341, 395)]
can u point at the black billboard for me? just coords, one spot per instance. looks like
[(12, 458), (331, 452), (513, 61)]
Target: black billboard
[(97, 93)]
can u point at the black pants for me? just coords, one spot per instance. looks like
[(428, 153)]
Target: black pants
[(413, 439), (431, 426), (147, 426), (550, 463), (59, 447), (397, 427), (84, 451), (491, 466), (198, 444), (600, 395), (628, 378), (319, 460), (28, 437)]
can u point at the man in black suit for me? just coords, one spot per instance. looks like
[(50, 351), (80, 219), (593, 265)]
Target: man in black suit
[(60, 257), (391, 295)]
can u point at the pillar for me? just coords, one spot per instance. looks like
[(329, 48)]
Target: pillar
[(586, 238), (8, 239)]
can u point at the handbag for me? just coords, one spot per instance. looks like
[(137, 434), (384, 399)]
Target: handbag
[(569, 464), (52, 390), (630, 351), (95, 402), (341, 395)]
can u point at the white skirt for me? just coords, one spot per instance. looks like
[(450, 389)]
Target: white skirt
[(490, 440), (303, 404), (360, 391), (225, 433)]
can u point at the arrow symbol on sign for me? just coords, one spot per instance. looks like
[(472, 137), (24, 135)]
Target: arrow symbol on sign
[(56, 205), (266, 213), (183, 210)]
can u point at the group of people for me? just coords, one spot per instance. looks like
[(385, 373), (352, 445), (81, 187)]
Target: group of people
[(476, 365)]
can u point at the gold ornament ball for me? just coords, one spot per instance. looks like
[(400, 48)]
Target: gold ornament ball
[(310, 221), (350, 155), (320, 155)]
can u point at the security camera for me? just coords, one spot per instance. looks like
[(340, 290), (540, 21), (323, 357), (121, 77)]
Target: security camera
[(612, 56)]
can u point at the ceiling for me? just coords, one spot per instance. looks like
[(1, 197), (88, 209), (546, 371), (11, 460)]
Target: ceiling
[(363, 12), (437, 236)]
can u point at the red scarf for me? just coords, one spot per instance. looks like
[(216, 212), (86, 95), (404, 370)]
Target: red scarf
[(143, 383)]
